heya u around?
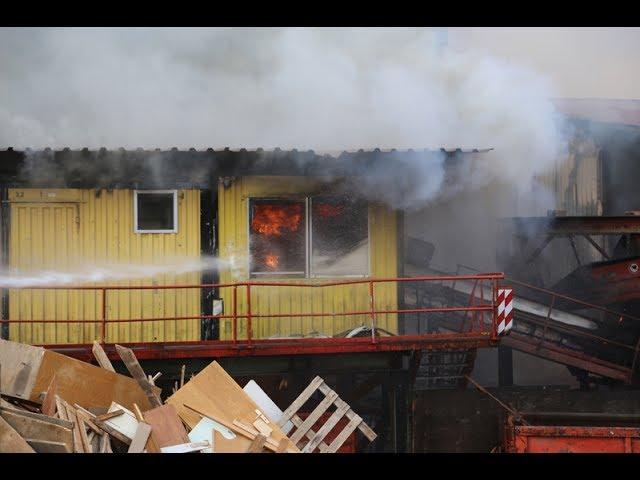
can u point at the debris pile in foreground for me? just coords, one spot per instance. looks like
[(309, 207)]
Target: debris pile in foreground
[(52, 403)]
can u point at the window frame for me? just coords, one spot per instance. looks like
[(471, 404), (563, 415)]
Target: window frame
[(308, 210), (173, 192)]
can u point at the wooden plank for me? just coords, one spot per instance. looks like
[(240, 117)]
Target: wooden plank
[(244, 430), (136, 410), (297, 421), (86, 384), (45, 446), (187, 447), (11, 441), (31, 425), (140, 438), (49, 402), (82, 428), (182, 375), (344, 434), (166, 427), (105, 443), (62, 411), (101, 357), (131, 362), (38, 416), (88, 420), (127, 424), (363, 427), (313, 417), (78, 446), (112, 432), (108, 415), (257, 445), (325, 429), (301, 400), (212, 393), (20, 366)]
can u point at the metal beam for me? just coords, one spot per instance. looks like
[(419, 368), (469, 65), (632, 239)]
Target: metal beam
[(592, 225), (311, 346)]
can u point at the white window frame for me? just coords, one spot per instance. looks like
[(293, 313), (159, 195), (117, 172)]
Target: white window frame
[(308, 273), (175, 211)]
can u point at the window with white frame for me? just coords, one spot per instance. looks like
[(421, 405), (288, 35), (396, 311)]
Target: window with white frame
[(155, 211), (322, 236)]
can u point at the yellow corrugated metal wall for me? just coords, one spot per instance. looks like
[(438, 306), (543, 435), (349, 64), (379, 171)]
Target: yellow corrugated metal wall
[(575, 180), (68, 229), (233, 240)]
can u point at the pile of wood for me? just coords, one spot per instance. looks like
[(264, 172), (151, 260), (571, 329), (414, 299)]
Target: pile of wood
[(54, 403)]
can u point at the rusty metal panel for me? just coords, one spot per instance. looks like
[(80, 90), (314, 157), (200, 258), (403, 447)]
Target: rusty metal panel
[(576, 439), (233, 199), (66, 229)]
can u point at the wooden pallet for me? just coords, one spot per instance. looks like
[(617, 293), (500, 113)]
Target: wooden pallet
[(308, 440)]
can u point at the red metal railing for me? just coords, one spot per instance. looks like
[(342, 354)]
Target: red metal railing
[(480, 312)]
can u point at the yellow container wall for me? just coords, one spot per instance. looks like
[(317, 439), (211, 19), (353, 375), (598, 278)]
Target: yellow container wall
[(233, 240), (69, 229)]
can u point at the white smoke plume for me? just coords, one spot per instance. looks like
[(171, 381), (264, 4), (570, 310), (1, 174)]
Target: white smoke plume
[(304, 88), (111, 272)]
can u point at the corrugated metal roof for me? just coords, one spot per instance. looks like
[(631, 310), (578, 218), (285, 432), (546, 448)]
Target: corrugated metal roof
[(332, 153)]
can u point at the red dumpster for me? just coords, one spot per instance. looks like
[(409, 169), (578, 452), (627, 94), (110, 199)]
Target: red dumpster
[(589, 436)]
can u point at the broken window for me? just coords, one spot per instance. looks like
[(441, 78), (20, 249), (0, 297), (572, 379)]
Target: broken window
[(339, 237), (155, 211), (277, 237), (334, 242)]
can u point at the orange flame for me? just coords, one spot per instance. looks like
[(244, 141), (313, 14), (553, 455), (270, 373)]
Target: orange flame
[(272, 260), (274, 219)]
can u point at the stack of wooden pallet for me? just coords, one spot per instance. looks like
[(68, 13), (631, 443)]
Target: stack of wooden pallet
[(54, 403)]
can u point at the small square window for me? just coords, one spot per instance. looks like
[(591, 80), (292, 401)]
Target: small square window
[(155, 211)]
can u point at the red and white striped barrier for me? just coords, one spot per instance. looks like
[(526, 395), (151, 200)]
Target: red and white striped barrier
[(505, 310)]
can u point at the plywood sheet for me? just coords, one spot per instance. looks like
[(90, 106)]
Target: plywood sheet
[(215, 394), (20, 364), (166, 428), (204, 431), (239, 444), (86, 384)]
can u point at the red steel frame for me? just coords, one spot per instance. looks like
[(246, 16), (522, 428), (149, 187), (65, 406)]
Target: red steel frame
[(480, 332)]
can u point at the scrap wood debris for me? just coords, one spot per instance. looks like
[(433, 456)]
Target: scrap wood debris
[(52, 403)]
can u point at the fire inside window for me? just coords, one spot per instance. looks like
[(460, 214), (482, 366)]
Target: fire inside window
[(155, 211), (311, 237)]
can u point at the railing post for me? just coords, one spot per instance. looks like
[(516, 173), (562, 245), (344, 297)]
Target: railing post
[(546, 322), (494, 303), (235, 314), (373, 312), (103, 334), (249, 332)]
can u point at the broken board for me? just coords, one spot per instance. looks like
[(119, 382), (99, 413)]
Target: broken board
[(86, 384), (39, 427), (11, 441), (213, 393), (20, 365)]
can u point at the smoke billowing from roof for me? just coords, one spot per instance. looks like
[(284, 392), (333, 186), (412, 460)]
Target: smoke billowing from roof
[(321, 89)]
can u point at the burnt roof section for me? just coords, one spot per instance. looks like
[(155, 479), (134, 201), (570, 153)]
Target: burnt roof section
[(185, 168)]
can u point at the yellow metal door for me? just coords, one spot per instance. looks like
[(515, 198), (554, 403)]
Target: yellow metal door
[(44, 236)]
